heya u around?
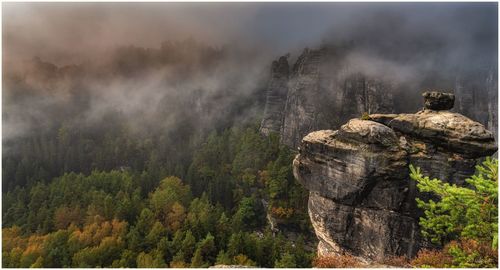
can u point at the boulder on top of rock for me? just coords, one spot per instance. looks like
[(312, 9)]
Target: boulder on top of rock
[(438, 101), (362, 200)]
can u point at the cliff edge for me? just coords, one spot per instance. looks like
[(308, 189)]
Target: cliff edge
[(361, 199)]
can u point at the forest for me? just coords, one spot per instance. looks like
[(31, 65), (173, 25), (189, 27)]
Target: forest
[(187, 182), (139, 145), (143, 216)]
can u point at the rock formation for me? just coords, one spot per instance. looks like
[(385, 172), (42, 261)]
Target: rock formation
[(276, 96), (477, 97), (362, 200), (322, 91), (299, 115), (319, 92), (438, 101)]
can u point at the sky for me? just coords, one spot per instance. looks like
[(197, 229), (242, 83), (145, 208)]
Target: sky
[(66, 32), (400, 42)]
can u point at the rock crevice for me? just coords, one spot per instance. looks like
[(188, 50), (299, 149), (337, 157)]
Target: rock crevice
[(362, 200)]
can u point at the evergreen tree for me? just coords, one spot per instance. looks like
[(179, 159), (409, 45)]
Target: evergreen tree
[(188, 245), (468, 214), (116, 212), (223, 258), (287, 260)]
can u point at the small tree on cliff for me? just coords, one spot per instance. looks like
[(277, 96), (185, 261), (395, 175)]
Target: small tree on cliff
[(467, 213)]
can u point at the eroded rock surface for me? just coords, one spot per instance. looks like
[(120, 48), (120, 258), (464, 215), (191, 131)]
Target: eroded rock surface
[(323, 89), (277, 90), (319, 91), (438, 100), (362, 200), (323, 92)]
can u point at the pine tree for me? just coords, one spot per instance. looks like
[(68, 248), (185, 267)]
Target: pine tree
[(223, 258), (188, 245), (197, 261), (287, 260), (467, 216), (469, 212)]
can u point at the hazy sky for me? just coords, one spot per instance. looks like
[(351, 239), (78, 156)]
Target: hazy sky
[(62, 31), (401, 42)]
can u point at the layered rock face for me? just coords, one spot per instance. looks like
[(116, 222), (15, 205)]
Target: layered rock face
[(322, 91), (300, 105), (477, 97), (362, 200), (277, 90), (319, 92)]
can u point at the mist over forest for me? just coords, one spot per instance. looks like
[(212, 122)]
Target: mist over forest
[(87, 55), (154, 90)]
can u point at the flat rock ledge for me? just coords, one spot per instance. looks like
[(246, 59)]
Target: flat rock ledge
[(361, 199)]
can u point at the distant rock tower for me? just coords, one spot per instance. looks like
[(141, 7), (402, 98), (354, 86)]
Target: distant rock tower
[(276, 97)]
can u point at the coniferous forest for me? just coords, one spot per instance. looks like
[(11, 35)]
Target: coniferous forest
[(211, 211), (187, 182), (175, 135)]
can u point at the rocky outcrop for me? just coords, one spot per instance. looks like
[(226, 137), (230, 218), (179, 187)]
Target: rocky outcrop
[(438, 101), (277, 90), (323, 91), (319, 92), (300, 107), (477, 97), (362, 200)]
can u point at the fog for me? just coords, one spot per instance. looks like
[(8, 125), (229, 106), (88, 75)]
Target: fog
[(61, 32), (100, 58)]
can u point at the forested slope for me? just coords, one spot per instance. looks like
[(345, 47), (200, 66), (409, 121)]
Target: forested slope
[(133, 218)]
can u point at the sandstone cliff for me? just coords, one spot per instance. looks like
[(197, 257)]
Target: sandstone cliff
[(362, 200), (319, 92), (323, 91), (277, 90), (477, 97)]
